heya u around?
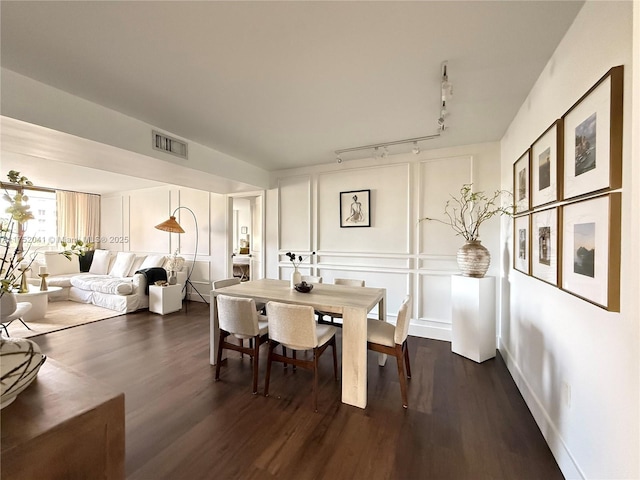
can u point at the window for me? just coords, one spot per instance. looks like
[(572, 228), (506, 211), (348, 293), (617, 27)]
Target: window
[(43, 231)]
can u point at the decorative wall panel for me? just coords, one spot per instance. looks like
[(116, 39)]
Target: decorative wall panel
[(295, 214)]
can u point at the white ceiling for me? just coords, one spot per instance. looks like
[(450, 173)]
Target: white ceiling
[(284, 84)]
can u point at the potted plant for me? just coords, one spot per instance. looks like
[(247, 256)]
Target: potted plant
[(464, 214)]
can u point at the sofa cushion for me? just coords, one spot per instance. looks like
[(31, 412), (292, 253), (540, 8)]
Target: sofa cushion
[(136, 265), (103, 284), (63, 281), (100, 263), (153, 261), (58, 264), (122, 265)]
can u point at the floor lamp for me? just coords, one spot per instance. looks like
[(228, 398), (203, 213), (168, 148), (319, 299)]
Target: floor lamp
[(172, 226)]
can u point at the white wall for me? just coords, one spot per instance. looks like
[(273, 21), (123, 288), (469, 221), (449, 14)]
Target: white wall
[(575, 363), (395, 252), (129, 218)]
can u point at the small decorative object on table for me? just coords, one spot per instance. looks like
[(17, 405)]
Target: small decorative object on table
[(42, 273), (465, 215), (296, 260), (303, 287)]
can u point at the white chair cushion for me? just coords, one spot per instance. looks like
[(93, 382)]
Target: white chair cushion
[(325, 332), (381, 332), (122, 265), (100, 262)]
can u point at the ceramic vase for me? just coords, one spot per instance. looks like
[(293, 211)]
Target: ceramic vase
[(295, 277), (473, 259), (173, 278), (20, 361)]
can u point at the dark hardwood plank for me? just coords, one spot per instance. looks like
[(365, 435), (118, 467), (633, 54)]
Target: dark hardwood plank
[(465, 420)]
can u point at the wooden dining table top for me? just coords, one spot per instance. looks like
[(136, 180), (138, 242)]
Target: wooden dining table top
[(324, 296)]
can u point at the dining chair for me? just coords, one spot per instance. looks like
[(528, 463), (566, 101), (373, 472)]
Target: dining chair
[(294, 326), (227, 282), (238, 317), (350, 282), (21, 309), (383, 337), (310, 279)]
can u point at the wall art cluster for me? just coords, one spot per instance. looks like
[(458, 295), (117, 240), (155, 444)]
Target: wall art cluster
[(568, 212)]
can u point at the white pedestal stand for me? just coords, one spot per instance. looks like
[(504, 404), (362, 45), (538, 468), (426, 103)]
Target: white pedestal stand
[(473, 317)]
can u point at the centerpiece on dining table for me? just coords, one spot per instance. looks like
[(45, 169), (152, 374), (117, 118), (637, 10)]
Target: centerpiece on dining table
[(296, 260)]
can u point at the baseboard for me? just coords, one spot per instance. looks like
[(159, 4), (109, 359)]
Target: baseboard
[(430, 331), (567, 463)]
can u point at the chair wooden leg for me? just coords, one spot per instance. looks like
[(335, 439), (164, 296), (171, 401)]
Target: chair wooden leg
[(403, 380), (266, 380), (406, 359), (335, 358), (315, 379), (256, 354), (219, 355)]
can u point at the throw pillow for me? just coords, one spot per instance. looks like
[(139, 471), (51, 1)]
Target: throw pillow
[(85, 261), (100, 263), (58, 264), (122, 265), (152, 261), (136, 265)]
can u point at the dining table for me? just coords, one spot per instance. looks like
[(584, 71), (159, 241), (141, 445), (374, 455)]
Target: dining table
[(353, 303)]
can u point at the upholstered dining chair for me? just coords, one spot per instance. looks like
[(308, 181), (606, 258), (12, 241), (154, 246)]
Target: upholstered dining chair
[(21, 309), (338, 281), (295, 327), (310, 279), (383, 337), (238, 317), (227, 282)]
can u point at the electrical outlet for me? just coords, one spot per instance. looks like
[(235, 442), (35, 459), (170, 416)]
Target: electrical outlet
[(566, 393)]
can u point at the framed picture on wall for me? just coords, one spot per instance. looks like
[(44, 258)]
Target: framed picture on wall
[(593, 138), (355, 208), (546, 161), (521, 241), (544, 245), (591, 250), (521, 183)]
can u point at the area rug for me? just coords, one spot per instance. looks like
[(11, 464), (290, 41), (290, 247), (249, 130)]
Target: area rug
[(61, 315)]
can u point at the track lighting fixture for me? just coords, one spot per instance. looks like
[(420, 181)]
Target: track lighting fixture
[(446, 92)]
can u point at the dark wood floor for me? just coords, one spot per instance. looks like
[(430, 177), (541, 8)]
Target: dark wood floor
[(465, 420)]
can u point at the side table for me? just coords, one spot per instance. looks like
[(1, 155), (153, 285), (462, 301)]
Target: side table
[(165, 299)]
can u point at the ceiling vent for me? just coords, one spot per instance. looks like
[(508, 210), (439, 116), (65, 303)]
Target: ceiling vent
[(168, 144)]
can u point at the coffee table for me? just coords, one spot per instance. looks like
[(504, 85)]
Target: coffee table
[(38, 300)]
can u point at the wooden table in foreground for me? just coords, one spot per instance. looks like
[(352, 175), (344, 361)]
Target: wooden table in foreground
[(64, 425), (354, 303)]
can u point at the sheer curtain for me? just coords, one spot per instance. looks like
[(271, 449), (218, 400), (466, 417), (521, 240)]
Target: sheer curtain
[(78, 216)]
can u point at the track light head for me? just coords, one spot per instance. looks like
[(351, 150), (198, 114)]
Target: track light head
[(416, 149), (338, 159)]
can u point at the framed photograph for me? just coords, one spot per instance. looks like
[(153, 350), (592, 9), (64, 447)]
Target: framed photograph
[(244, 230), (544, 245), (546, 161), (521, 241), (521, 183), (590, 244), (355, 208), (593, 139)]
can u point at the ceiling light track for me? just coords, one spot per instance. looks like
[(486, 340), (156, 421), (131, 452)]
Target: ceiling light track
[(446, 92)]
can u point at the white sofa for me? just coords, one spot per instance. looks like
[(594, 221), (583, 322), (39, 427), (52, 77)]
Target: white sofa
[(111, 281)]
